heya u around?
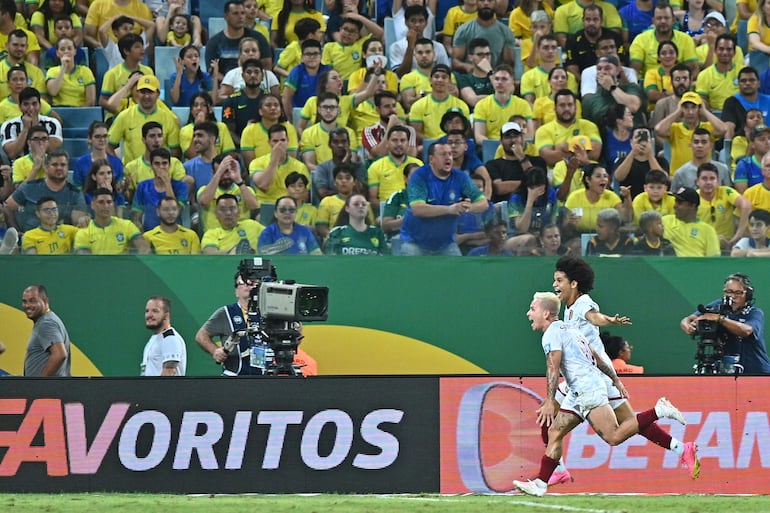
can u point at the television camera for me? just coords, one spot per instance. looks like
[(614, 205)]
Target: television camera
[(276, 311), (711, 340)]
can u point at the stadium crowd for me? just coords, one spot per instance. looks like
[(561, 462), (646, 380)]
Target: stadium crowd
[(527, 127)]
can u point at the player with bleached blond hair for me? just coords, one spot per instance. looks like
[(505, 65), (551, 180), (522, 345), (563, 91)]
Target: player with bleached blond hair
[(569, 354)]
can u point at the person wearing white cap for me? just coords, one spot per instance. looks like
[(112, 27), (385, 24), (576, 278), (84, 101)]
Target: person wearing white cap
[(719, 81), (714, 25)]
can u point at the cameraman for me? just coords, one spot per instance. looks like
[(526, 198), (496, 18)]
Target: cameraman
[(741, 326), (223, 323)]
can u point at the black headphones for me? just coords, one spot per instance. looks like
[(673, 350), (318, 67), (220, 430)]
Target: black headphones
[(746, 282)]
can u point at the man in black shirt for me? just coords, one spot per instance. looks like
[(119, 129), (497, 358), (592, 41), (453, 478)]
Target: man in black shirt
[(506, 172)]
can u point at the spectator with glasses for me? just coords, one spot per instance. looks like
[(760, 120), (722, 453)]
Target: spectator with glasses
[(285, 236)]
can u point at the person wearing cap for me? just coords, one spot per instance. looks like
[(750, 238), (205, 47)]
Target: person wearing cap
[(534, 83), (402, 52), (438, 195), (701, 149), (426, 113), (125, 128), (507, 172), (611, 92), (581, 46), (719, 81), (748, 172), (644, 47), (493, 111), (486, 26), (714, 25), (759, 194), (416, 83), (748, 97), (689, 236), (604, 46), (721, 205), (476, 85), (552, 139), (679, 127), (119, 81)]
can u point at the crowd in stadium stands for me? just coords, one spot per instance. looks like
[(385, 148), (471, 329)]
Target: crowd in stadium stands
[(619, 127)]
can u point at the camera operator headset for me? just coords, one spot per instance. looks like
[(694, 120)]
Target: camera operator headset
[(742, 322), (230, 323)]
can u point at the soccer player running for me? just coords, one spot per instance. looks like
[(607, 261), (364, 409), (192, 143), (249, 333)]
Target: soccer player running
[(572, 281), (569, 353)]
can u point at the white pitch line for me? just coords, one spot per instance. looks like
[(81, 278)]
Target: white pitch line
[(517, 503)]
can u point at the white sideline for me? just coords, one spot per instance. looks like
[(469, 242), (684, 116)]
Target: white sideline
[(517, 503)]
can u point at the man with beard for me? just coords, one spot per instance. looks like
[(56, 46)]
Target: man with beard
[(720, 80), (581, 46), (425, 116), (611, 92), (139, 169), (605, 46), (232, 236), (165, 353), (644, 48), (681, 82), (227, 179), (495, 110), (243, 106), (48, 349), (107, 234), (552, 139), (314, 143), (438, 195), (373, 136), (485, 26), (323, 175), (124, 128), (168, 238), (507, 172), (199, 169), (69, 200), (569, 18), (386, 175), (416, 84), (747, 97)]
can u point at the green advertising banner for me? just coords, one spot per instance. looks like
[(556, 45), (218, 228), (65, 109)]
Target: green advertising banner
[(387, 315)]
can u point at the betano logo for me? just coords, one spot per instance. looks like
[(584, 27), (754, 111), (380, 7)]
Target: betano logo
[(65, 449)]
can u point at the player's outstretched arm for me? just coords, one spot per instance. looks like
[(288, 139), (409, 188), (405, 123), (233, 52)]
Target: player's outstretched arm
[(599, 319)]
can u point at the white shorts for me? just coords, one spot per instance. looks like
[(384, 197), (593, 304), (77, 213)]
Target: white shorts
[(603, 392)]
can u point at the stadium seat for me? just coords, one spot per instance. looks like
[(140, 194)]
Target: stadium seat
[(276, 54), (183, 113), (75, 120), (215, 25), (296, 114), (425, 147), (518, 66), (209, 10), (390, 36), (75, 147), (488, 149), (585, 238), (100, 66), (165, 62), (743, 37)]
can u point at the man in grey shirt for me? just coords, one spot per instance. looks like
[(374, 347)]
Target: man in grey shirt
[(48, 349)]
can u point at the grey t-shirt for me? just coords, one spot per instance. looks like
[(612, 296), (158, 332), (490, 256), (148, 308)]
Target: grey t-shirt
[(686, 175), (28, 194), (48, 330)]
